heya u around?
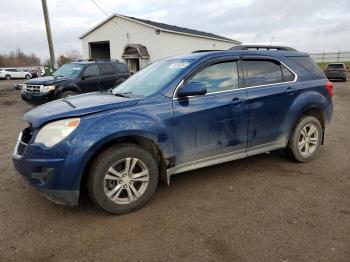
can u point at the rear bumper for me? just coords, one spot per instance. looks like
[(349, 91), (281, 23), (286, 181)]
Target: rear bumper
[(37, 99), (335, 75)]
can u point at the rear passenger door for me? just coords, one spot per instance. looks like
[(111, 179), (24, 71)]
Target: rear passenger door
[(271, 89), (107, 76)]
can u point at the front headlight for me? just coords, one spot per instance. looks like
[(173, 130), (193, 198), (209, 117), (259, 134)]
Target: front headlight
[(55, 132), (23, 88), (45, 89)]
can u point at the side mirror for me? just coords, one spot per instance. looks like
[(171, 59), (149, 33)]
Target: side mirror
[(86, 77), (192, 89)]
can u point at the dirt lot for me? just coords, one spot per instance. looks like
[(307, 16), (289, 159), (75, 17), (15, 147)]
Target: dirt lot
[(263, 208)]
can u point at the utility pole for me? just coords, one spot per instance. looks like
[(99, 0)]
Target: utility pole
[(48, 33)]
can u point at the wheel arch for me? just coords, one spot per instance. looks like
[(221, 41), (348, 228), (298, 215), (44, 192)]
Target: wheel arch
[(314, 111), (142, 141), (62, 89)]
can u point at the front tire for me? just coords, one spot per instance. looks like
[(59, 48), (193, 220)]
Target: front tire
[(27, 77), (67, 94), (123, 178), (306, 139)]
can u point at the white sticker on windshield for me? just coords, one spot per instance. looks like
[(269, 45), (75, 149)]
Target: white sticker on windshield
[(179, 65), (76, 68)]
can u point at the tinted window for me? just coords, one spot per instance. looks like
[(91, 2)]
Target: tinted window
[(106, 69), (121, 68), (218, 77), (308, 64), (259, 72), (287, 74), (92, 71), (335, 66)]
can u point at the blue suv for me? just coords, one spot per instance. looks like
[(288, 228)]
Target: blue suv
[(176, 115)]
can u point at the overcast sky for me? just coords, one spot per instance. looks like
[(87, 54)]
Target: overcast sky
[(308, 25)]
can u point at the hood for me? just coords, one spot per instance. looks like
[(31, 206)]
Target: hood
[(46, 80), (76, 106)]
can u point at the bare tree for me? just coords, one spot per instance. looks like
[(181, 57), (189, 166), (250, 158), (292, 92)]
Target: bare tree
[(68, 57), (18, 58)]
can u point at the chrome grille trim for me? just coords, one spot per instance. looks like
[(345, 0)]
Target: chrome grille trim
[(33, 88)]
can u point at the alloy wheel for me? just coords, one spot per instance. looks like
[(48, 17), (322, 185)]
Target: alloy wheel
[(308, 140), (126, 180)]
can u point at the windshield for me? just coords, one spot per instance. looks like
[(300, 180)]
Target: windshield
[(153, 78), (69, 70)]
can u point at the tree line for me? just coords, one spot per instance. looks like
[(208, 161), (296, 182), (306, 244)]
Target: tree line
[(18, 58)]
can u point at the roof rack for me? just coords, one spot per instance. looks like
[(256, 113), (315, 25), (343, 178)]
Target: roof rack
[(262, 47), (203, 51), (99, 60)]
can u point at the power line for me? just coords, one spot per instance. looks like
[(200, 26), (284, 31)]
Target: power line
[(104, 12), (100, 8), (106, 5)]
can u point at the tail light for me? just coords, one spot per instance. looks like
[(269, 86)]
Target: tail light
[(329, 88)]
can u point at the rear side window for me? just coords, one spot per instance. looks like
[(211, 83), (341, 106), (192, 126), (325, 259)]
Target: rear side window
[(308, 64), (262, 72), (121, 68), (288, 76), (218, 77), (106, 69)]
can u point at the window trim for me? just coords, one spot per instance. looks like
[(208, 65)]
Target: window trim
[(204, 65), (241, 75), (271, 59)]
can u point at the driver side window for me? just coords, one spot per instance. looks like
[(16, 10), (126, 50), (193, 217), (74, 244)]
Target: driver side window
[(92, 71), (219, 77)]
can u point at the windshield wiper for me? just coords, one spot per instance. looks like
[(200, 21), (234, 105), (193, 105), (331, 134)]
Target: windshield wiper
[(123, 94)]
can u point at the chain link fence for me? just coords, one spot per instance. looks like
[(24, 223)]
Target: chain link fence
[(331, 57)]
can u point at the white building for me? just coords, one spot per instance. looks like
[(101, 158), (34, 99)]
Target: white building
[(139, 42)]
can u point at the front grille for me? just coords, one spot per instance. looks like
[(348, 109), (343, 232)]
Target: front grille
[(22, 142), (33, 89)]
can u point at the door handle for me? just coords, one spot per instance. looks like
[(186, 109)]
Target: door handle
[(237, 101), (290, 90)]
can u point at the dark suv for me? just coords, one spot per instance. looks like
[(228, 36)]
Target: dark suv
[(178, 114), (73, 79), (336, 71)]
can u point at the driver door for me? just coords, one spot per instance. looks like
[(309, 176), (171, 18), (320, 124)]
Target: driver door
[(90, 79), (211, 127)]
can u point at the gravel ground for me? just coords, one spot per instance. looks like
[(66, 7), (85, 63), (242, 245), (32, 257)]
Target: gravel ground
[(262, 208)]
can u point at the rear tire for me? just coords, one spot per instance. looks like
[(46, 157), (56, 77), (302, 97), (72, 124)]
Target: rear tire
[(306, 139), (123, 178), (7, 77), (68, 94)]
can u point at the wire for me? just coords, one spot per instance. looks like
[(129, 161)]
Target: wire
[(104, 12), (100, 8), (106, 5)]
